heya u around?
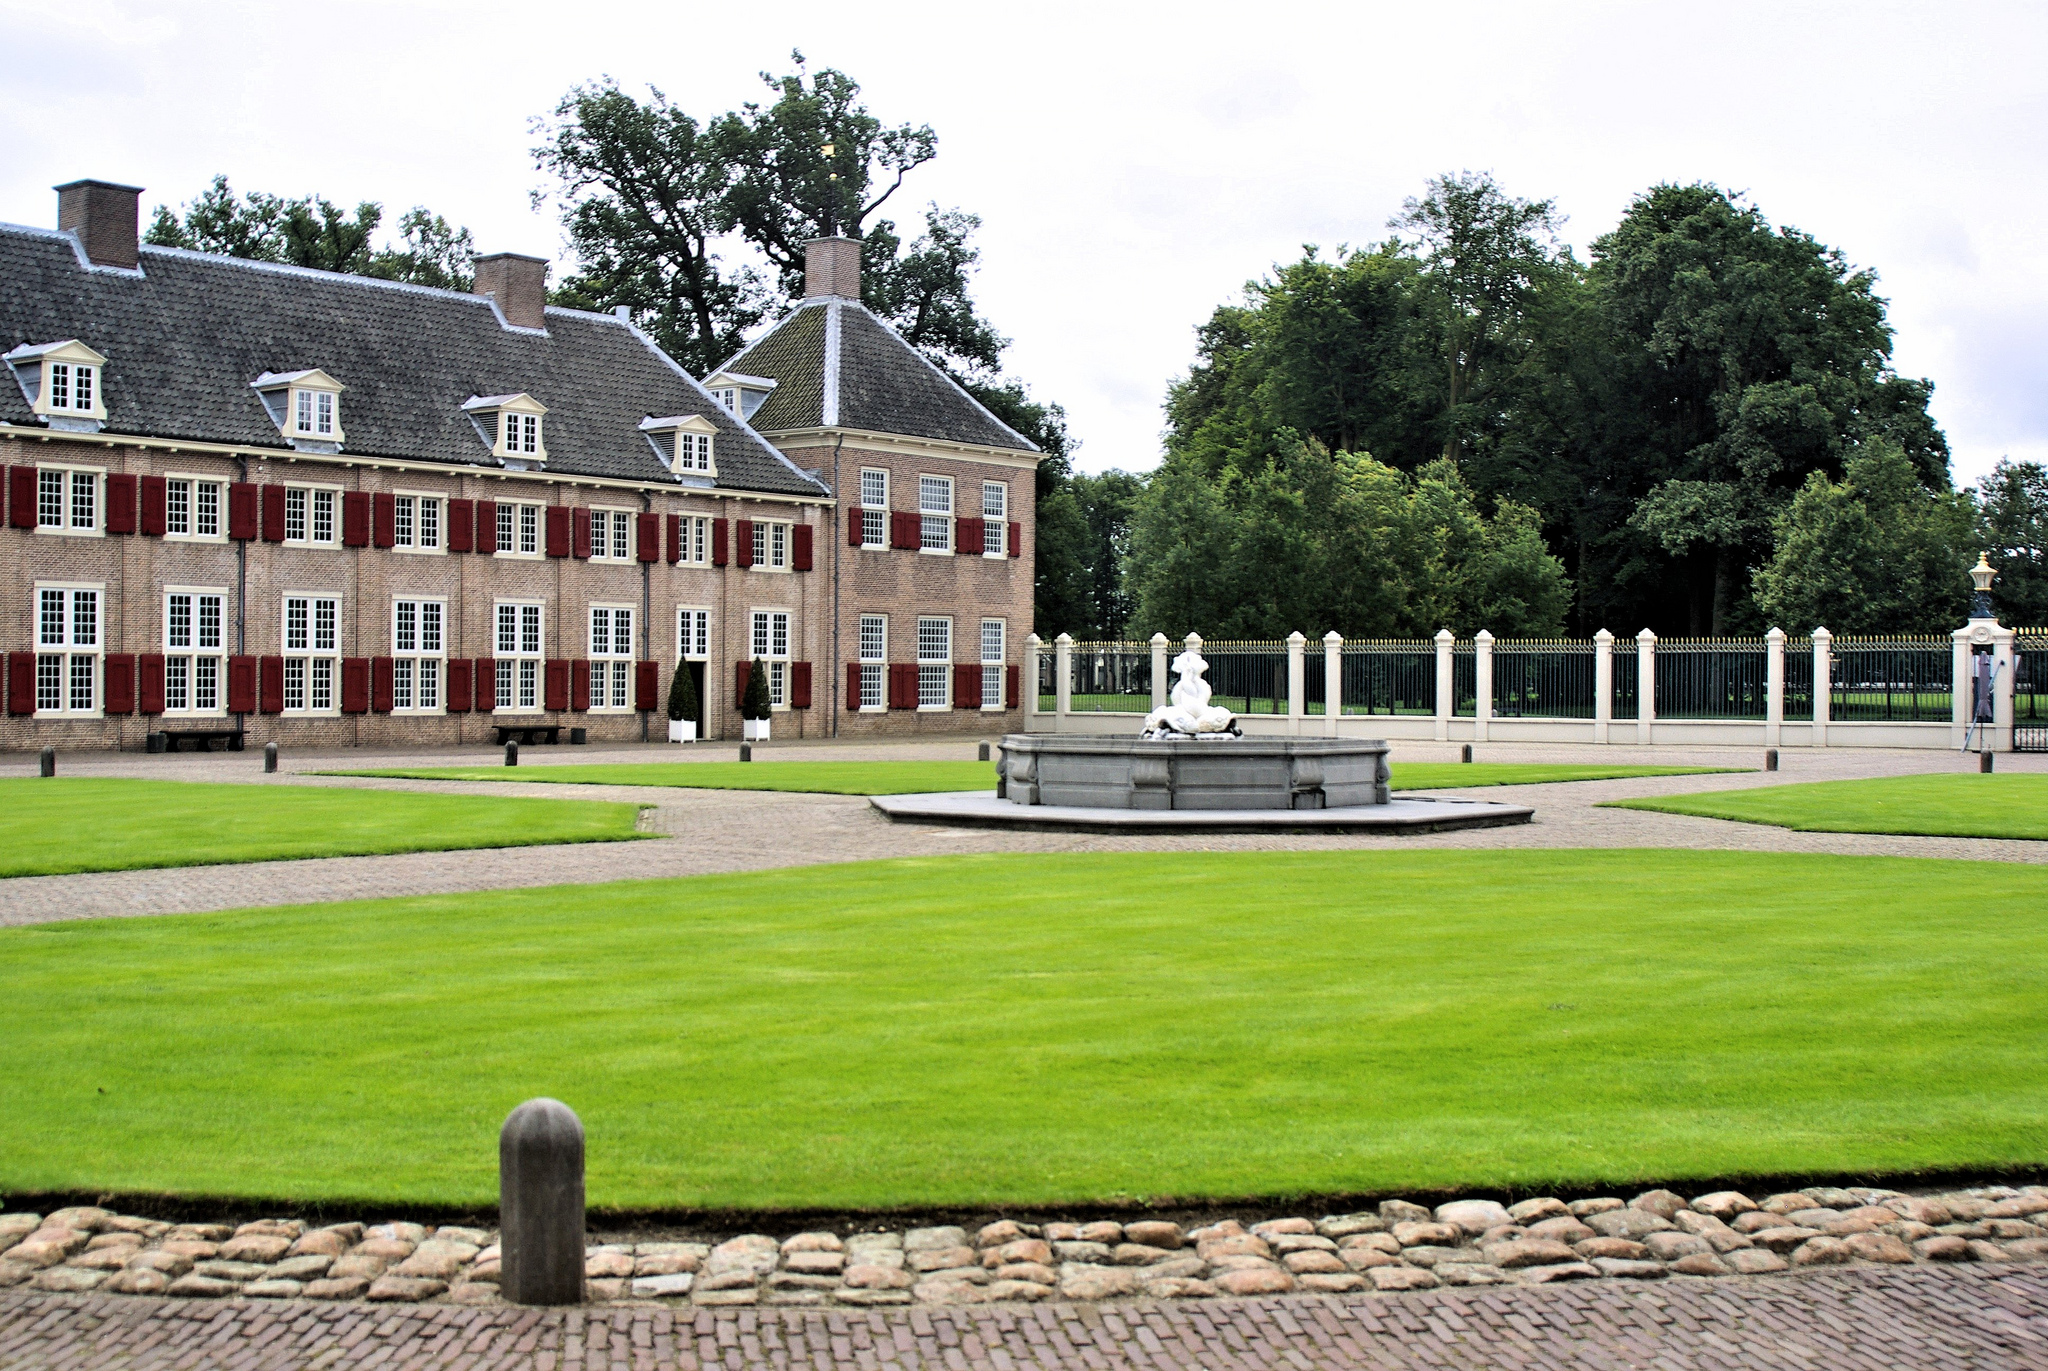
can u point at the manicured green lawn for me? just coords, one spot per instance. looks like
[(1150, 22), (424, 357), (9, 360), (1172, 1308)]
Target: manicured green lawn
[(1948, 805), (67, 824), (1033, 1028), (1455, 775)]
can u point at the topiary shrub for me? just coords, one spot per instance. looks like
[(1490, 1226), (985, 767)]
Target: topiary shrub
[(682, 695), (755, 705)]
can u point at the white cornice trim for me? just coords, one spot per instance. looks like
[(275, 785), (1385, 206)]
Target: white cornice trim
[(903, 445)]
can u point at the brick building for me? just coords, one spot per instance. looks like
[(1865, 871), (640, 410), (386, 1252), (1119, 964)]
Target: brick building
[(325, 509)]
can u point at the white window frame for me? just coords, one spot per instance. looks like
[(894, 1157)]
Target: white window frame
[(995, 513), (187, 490), (934, 529), (521, 670), (419, 654), (519, 434), (934, 674), (992, 666), (517, 518), (609, 665), (620, 538), (409, 523), (74, 378), (68, 501), (764, 624), (874, 508), (693, 633), (696, 536), (874, 663), (60, 656), (310, 501), (191, 660), (314, 412), (315, 659), (771, 549), (693, 453)]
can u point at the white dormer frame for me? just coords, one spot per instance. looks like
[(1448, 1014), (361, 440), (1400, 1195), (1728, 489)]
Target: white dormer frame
[(739, 393), (513, 425), (54, 376), (686, 442), (305, 405)]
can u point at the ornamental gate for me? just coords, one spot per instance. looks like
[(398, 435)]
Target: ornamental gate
[(2030, 691)]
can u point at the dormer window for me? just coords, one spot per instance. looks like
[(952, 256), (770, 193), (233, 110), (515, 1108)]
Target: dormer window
[(693, 452), (512, 425), (741, 395), (305, 406), (62, 382), (522, 433), (684, 443)]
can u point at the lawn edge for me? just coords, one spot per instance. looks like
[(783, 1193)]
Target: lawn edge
[(1669, 805), (632, 837)]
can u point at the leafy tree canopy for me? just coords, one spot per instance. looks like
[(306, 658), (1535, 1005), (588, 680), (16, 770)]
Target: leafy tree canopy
[(2012, 528), (315, 232)]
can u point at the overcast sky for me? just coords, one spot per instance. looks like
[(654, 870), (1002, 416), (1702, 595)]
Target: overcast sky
[(1135, 165)]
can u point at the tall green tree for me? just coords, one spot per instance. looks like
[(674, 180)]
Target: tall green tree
[(2012, 527), (315, 232)]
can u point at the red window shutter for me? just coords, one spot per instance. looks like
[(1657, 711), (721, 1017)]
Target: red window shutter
[(579, 683), (675, 539), (241, 511), (486, 526), (718, 542), (579, 533), (241, 685), (355, 683), (967, 535), (743, 537), (650, 537), (384, 525), (799, 685), (355, 521), (459, 678), (21, 499), (854, 532), (853, 700), (739, 683), (486, 685), (121, 499), (21, 676), (153, 506), (273, 514), (1010, 681), (271, 673), (647, 686), (1016, 539), (558, 530), (558, 684), (461, 525), (905, 530), (800, 547), (120, 691), (149, 680), (966, 686), (903, 686), (380, 684)]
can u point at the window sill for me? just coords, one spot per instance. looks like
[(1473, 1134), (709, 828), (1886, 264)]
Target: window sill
[(420, 551), (208, 539), (936, 551), (295, 544), (519, 556), (770, 570), (416, 713), (60, 715), (75, 532), (934, 709), (308, 714)]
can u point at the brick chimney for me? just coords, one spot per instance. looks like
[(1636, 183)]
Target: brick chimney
[(107, 219), (832, 267), (520, 285)]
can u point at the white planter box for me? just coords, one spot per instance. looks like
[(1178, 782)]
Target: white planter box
[(755, 730), (682, 730)]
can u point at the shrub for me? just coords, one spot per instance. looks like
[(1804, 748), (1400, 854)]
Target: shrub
[(682, 695), (755, 705)]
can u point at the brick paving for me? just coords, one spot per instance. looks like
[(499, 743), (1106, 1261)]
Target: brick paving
[(1963, 1318)]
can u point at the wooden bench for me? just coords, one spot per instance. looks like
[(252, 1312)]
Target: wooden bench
[(204, 737), (525, 733)]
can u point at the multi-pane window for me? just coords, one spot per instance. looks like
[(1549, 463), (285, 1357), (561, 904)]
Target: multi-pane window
[(67, 500), (934, 663), (309, 515), (874, 507), (195, 651), (611, 657), (874, 661), (693, 634), (995, 506), (314, 412), (696, 540), (693, 452), (192, 508), (611, 535), (522, 432), (417, 649), (67, 650), (312, 653), (935, 508), (991, 663), (771, 649), (416, 523), (517, 644), (518, 528), (73, 387), (771, 546)]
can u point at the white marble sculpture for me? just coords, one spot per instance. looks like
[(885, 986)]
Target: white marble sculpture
[(1190, 715)]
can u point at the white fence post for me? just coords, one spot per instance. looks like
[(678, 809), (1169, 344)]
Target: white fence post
[(1159, 671), (1063, 675), (1333, 681), (1297, 691), (1032, 645), (2002, 702), (1482, 684), (1964, 697), (1774, 686), (1646, 685), (1443, 685), (1603, 684), (1823, 664)]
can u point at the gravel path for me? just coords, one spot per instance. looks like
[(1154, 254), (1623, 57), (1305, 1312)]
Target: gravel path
[(727, 830)]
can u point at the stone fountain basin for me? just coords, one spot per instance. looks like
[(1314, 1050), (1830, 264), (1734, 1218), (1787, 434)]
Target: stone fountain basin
[(1221, 773)]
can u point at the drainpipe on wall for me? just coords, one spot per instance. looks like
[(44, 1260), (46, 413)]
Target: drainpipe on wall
[(242, 586), (647, 612)]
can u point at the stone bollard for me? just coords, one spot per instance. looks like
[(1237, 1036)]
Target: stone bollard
[(511, 752), (982, 755), (746, 752), (50, 761), (1770, 759), (269, 758), (1467, 754), (1983, 763), (540, 1204)]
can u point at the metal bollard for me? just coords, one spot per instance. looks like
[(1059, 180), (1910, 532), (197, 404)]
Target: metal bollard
[(511, 752), (982, 756), (269, 758), (1467, 754), (1983, 763), (540, 1204), (1770, 759), (746, 752), (50, 761)]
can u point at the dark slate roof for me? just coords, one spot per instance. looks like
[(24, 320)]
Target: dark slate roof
[(186, 335), (880, 383)]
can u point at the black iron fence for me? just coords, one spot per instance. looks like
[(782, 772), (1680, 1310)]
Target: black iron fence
[(1249, 678), (1389, 677), (1464, 680), (1625, 686), (1884, 680), (1799, 680), (1112, 678), (1543, 679), (2030, 690)]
